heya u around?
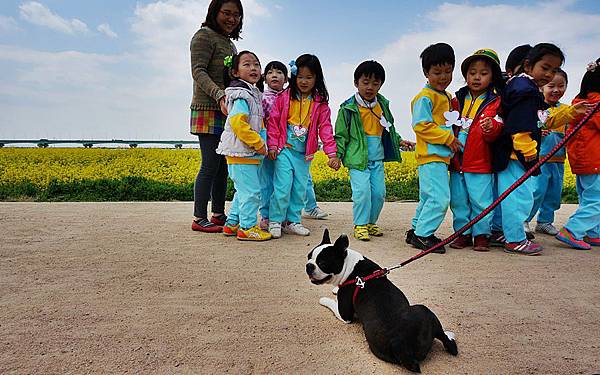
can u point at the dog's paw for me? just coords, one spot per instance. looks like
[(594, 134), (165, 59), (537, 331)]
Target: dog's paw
[(327, 302), (450, 335), (335, 290)]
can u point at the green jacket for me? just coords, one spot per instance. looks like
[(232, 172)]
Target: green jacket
[(351, 139)]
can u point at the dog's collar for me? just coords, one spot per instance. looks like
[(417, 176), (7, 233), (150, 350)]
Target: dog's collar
[(360, 281)]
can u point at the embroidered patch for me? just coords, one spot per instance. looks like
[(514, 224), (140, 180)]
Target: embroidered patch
[(465, 123), (452, 118), (386, 125), (299, 131), (543, 117)]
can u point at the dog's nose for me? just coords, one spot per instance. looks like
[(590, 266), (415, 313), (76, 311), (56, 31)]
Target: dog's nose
[(310, 268)]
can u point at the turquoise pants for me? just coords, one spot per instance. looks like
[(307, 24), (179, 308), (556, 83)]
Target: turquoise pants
[(470, 194), (497, 215), (548, 192), (246, 198), (266, 186), (517, 206), (310, 203), (586, 220), (434, 198), (290, 179), (368, 193)]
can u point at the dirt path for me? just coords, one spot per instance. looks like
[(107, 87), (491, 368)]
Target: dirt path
[(128, 287)]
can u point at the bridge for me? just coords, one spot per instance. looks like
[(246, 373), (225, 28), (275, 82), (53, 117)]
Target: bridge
[(43, 143)]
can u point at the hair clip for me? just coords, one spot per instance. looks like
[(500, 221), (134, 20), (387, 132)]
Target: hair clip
[(228, 61), (293, 67), (591, 66)]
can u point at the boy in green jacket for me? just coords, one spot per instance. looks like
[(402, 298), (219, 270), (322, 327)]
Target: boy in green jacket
[(366, 138)]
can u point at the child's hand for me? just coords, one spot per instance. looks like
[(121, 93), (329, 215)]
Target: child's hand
[(334, 163), (223, 105), (582, 107), (530, 158), (272, 155), (407, 145), (456, 145), (262, 151), (486, 125), (545, 132)]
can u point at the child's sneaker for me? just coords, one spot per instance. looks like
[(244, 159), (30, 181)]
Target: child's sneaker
[(275, 229), (361, 232), (528, 232), (409, 236), (482, 243), (203, 225), (594, 241), (546, 228), (567, 237), (315, 213), (220, 219), (374, 230), (497, 239), (524, 247), (230, 230), (253, 234), (264, 223), (295, 228), (465, 240)]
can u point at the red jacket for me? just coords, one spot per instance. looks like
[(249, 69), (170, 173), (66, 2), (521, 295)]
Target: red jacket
[(477, 154), (583, 149)]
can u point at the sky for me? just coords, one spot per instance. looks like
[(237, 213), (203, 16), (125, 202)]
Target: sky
[(120, 69)]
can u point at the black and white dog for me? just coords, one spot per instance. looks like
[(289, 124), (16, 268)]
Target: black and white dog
[(396, 331)]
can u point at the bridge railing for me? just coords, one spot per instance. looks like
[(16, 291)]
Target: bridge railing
[(43, 143)]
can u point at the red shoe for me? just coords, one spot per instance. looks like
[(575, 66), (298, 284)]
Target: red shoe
[(592, 241), (482, 243), (203, 225), (524, 247), (462, 241), (219, 219)]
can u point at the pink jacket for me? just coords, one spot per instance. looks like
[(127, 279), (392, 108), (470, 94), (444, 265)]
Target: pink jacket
[(320, 127)]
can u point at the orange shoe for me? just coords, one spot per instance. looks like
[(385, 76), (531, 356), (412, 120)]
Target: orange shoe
[(253, 234), (230, 230)]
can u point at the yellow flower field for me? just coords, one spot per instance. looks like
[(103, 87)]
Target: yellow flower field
[(65, 166)]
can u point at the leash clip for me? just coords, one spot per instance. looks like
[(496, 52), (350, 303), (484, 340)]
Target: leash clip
[(360, 283)]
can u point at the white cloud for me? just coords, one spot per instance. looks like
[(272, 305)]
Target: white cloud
[(106, 30), (502, 28), (7, 23), (38, 14)]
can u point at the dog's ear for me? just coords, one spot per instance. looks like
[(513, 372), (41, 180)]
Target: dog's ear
[(325, 239), (342, 243)]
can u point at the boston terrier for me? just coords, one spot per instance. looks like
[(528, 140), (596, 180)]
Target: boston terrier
[(396, 331)]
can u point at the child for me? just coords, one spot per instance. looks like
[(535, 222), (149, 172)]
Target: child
[(432, 119), (243, 145), (275, 77), (366, 138), (514, 61), (471, 175), (516, 150), (300, 116), (583, 228), (549, 184)]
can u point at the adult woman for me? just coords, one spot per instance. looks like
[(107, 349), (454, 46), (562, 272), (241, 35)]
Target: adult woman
[(209, 47)]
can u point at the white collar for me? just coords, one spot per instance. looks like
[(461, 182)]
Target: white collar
[(363, 103)]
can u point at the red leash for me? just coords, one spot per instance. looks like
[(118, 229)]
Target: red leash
[(360, 282), (512, 188)]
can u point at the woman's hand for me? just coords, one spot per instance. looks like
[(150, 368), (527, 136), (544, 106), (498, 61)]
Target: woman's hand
[(223, 105)]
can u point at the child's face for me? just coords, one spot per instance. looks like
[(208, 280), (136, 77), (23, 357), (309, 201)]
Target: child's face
[(248, 68), (554, 90), (275, 79), (544, 70), (440, 76), (305, 80), (479, 76), (368, 87)]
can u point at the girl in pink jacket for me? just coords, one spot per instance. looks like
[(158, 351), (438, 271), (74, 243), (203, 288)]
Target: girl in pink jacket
[(300, 116)]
